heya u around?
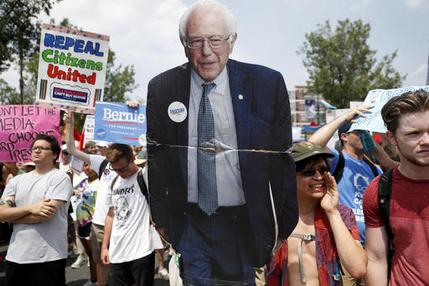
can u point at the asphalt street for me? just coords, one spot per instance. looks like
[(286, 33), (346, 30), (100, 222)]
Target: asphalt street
[(74, 277)]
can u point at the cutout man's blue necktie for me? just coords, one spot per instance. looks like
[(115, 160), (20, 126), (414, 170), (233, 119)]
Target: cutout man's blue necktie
[(206, 159)]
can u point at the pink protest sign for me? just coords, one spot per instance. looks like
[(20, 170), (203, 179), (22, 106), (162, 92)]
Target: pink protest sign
[(19, 125)]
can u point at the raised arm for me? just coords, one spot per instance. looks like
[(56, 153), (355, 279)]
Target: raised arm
[(71, 148), (383, 158), (325, 133), (376, 249), (350, 251)]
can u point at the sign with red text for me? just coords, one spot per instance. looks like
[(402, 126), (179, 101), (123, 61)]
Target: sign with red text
[(72, 68), (19, 125)]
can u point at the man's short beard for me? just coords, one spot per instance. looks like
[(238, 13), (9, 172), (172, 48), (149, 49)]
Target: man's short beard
[(412, 159)]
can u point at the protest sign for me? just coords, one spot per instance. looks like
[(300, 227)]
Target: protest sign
[(119, 123), (72, 68), (19, 125), (88, 128), (354, 104), (377, 98)]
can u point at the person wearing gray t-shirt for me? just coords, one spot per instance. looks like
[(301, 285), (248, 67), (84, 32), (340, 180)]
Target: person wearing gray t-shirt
[(36, 203)]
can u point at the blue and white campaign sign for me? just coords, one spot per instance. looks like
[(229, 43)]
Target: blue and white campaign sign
[(377, 98), (118, 123)]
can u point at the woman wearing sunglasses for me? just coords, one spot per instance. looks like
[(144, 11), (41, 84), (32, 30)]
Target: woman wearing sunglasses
[(326, 235)]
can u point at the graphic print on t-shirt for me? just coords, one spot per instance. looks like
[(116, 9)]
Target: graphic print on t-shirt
[(122, 207), (122, 210), (360, 183), (357, 175)]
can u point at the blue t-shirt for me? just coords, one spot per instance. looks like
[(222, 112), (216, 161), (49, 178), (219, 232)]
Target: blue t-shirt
[(356, 177)]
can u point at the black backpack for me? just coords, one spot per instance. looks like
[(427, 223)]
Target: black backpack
[(384, 196), (103, 166), (339, 169), (140, 181)]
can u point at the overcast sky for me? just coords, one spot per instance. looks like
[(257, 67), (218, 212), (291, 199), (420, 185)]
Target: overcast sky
[(144, 33)]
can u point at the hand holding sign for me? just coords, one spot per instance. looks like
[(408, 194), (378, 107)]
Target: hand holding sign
[(359, 112), (378, 98)]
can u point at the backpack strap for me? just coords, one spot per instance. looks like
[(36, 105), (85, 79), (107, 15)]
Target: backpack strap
[(339, 168), (371, 165), (103, 166), (140, 181), (384, 196), (338, 172), (146, 194), (113, 182), (142, 185)]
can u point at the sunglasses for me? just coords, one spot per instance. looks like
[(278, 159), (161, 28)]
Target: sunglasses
[(310, 172), (120, 170)]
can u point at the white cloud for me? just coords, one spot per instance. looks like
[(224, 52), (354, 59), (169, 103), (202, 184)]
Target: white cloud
[(417, 76), (359, 5), (417, 3)]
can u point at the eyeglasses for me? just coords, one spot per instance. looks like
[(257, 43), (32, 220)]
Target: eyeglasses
[(310, 172), (40, 148), (121, 170), (215, 42)]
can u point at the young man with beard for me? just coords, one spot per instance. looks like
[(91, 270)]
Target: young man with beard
[(407, 120)]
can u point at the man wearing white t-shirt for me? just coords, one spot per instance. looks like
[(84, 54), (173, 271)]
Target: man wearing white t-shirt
[(37, 203), (126, 244)]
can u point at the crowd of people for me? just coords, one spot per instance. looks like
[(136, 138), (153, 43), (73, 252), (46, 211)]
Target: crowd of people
[(393, 203), (222, 187)]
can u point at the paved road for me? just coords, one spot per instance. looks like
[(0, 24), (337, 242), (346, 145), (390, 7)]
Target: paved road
[(74, 277)]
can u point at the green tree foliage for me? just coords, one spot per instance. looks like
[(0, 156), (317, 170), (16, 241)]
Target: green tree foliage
[(19, 33), (8, 94), (119, 80), (341, 65)]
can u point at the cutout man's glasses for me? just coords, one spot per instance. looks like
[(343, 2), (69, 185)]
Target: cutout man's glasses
[(215, 42)]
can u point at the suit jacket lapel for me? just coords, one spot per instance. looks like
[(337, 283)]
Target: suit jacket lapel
[(182, 88), (241, 95)]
